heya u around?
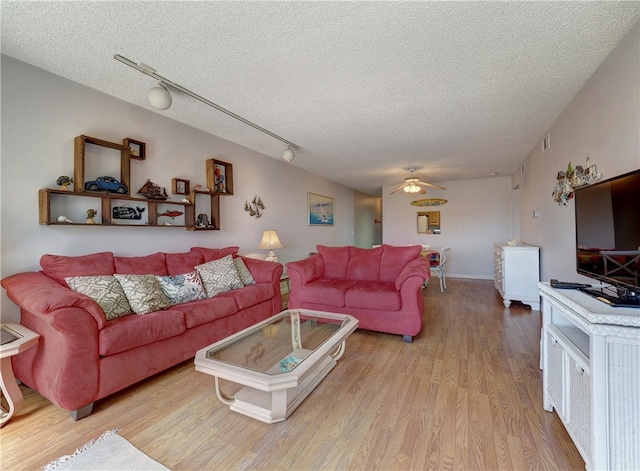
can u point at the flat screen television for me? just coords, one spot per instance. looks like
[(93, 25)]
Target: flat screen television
[(608, 236)]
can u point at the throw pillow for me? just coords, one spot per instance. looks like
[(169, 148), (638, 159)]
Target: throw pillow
[(245, 275), (219, 276), (143, 293), (105, 290), (182, 288)]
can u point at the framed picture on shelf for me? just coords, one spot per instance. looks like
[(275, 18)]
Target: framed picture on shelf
[(180, 186), (219, 177), (320, 210), (137, 148)]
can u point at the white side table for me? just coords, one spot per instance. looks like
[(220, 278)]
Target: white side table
[(25, 339)]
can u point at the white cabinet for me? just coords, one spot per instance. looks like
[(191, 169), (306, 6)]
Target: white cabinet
[(517, 273), (590, 355)]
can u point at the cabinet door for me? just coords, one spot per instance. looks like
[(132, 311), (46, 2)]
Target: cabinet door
[(555, 385), (579, 406)]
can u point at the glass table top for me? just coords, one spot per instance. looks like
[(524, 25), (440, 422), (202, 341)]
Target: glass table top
[(278, 345)]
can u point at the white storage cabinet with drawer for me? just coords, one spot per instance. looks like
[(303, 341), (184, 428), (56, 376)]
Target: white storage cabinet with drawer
[(590, 355), (517, 273)]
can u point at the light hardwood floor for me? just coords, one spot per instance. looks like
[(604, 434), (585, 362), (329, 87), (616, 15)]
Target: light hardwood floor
[(465, 395)]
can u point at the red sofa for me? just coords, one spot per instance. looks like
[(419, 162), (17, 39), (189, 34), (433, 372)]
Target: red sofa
[(82, 357), (381, 287)]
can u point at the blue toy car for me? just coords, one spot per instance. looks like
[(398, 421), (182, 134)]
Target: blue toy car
[(106, 184)]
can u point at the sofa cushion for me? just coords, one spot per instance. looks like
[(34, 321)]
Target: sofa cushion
[(325, 291), (243, 272), (250, 295), (148, 265), (207, 310), (130, 332), (182, 288), (364, 264), (394, 260), (105, 290), (219, 276), (335, 260), (377, 295), (59, 267), (143, 293), (178, 263), (215, 254)]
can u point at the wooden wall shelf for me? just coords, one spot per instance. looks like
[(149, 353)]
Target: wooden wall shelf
[(143, 212)]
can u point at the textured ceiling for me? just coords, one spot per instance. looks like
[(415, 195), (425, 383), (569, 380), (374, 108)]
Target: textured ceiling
[(367, 89)]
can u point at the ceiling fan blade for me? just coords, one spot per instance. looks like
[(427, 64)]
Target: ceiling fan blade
[(432, 185), (398, 189), (422, 191)]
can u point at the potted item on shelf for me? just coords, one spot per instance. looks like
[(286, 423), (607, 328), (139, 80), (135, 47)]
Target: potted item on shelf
[(63, 182), (152, 191)]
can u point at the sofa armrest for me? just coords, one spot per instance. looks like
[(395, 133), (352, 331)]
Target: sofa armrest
[(40, 295), (263, 271), (418, 267), (306, 270)]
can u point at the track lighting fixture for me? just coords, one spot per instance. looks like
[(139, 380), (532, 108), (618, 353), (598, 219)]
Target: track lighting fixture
[(160, 98), (288, 154)]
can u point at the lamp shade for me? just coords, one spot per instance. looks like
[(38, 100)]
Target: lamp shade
[(270, 240), (160, 98)]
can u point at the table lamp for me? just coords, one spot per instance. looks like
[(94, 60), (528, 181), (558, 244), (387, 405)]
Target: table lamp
[(270, 241)]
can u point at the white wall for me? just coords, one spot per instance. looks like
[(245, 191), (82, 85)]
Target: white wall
[(43, 113), (477, 214), (602, 123)]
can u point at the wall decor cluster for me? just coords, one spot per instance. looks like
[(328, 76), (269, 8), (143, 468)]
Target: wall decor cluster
[(255, 207), (107, 200), (573, 178)]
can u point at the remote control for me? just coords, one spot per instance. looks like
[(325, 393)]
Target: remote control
[(567, 284)]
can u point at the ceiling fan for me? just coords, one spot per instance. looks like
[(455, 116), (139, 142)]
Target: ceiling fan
[(412, 185)]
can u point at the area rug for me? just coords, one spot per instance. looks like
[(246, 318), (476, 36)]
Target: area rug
[(109, 452)]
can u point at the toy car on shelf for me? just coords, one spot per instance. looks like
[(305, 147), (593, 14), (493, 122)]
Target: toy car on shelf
[(106, 184)]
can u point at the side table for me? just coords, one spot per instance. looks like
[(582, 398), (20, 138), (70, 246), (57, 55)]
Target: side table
[(23, 339)]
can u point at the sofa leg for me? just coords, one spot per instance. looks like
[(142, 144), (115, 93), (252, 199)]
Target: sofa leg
[(407, 338), (82, 412)]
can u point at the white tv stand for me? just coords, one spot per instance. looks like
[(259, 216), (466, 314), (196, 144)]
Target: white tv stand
[(590, 355)]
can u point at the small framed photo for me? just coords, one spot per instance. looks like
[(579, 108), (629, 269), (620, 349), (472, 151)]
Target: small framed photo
[(137, 148), (180, 186), (320, 210)]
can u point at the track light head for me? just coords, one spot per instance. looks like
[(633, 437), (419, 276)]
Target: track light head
[(288, 155), (159, 97)]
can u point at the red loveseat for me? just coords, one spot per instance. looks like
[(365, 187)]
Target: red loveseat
[(82, 357), (381, 287)]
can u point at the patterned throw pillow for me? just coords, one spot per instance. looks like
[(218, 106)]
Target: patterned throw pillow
[(245, 275), (105, 290), (219, 276), (182, 288), (143, 293)]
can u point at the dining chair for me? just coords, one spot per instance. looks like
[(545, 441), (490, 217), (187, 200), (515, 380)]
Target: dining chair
[(439, 267)]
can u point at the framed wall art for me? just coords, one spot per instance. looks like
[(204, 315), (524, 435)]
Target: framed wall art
[(320, 210), (138, 148), (180, 186)]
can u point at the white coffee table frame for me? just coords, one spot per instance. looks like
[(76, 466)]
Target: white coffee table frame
[(273, 397)]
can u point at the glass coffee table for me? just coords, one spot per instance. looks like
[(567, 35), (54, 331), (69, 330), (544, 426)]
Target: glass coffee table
[(279, 361)]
